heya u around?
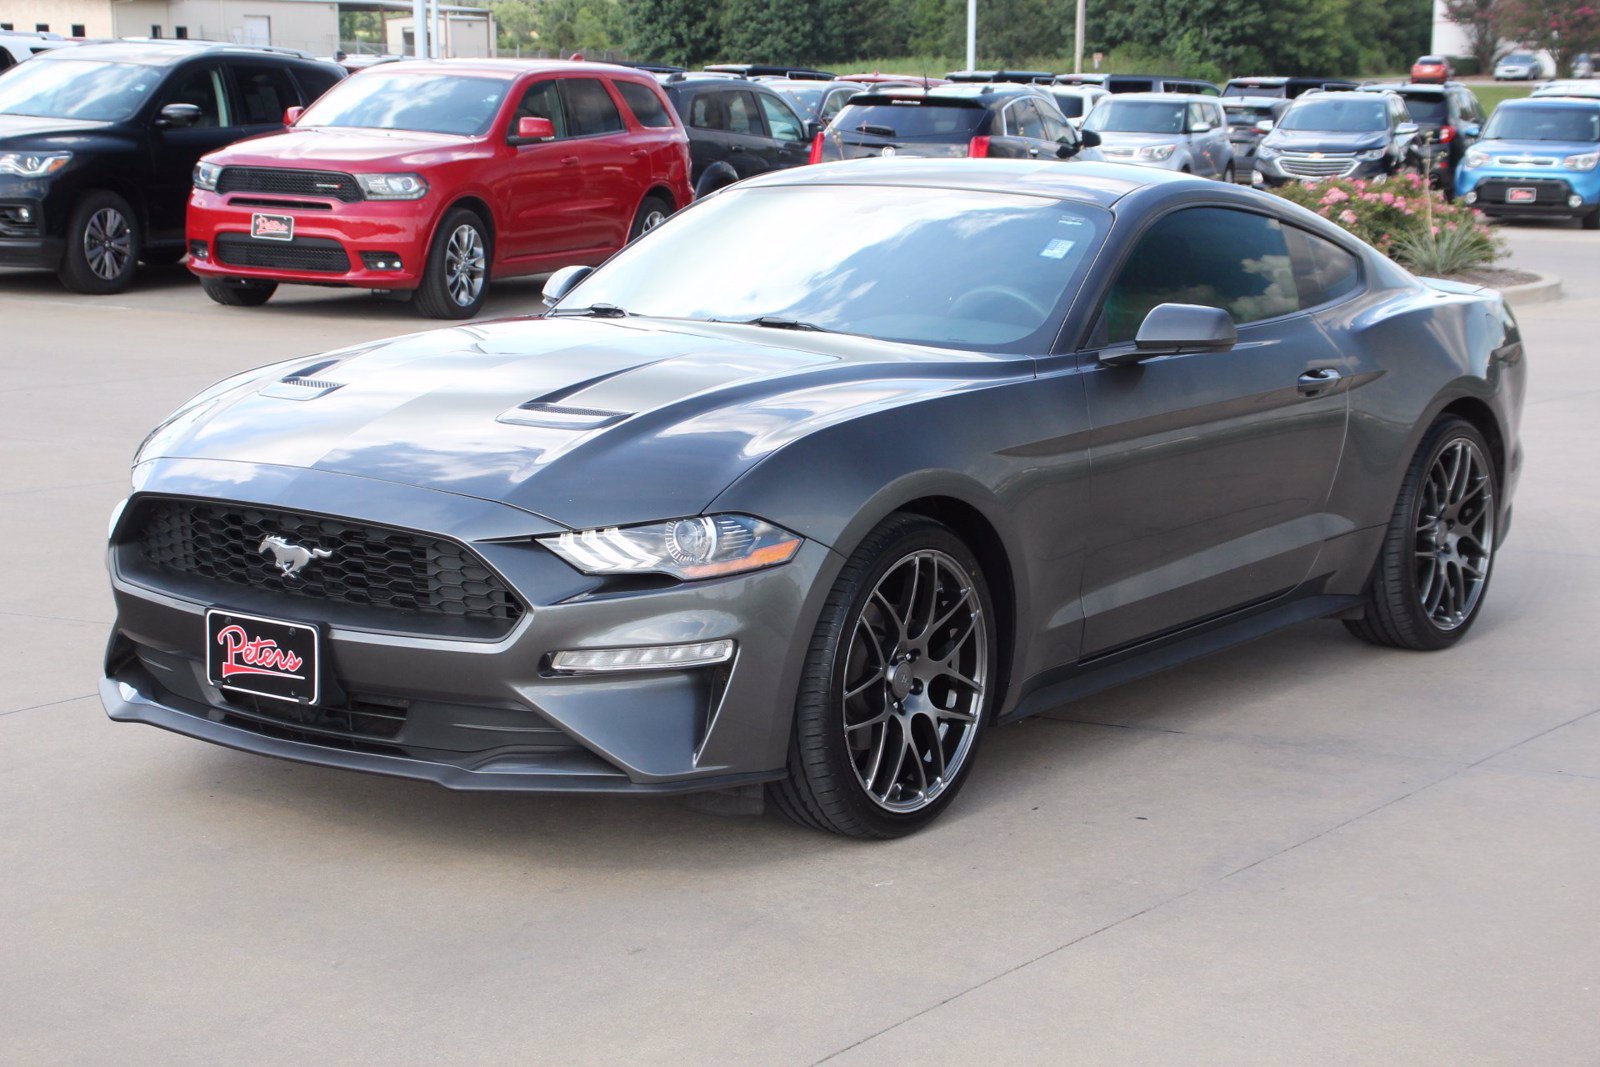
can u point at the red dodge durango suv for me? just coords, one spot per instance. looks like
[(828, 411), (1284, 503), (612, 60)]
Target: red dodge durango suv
[(435, 176)]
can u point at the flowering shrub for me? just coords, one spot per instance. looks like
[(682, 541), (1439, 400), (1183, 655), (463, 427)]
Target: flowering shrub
[(1404, 219)]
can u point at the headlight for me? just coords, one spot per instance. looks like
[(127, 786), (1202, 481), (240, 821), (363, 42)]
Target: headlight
[(1475, 158), (1155, 153), (1372, 155), (1583, 161), (707, 546), (206, 175), (1266, 152), (393, 186), (33, 164)]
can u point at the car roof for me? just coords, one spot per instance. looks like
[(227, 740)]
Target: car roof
[(1408, 87), (1244, 101), (1100, 184), (672, 82), (162, 53), (1167, 98), (509, 68), (1269, 79)]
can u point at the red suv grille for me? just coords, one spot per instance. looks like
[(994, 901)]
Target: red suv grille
[(289, 182)]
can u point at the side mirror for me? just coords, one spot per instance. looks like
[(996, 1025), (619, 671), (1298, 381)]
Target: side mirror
[(564, 280), (292, 115), (1200, 127), (1406, 129), (1471, 131), (813, 127), (1265, 126), (1089, 138), (179, 116), (1172, 328), (532, 130)]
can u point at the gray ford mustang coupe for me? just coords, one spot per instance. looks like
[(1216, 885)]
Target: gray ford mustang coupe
[(815, 484)]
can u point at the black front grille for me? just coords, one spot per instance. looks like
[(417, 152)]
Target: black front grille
[(375, 567), (286, 182), (304, 253), (1549, 192)]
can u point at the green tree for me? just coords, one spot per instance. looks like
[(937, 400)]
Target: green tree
[(685, 32), (516, 23), (1481, 21), (1563, 27)]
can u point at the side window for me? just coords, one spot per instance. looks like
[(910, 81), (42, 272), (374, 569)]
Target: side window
[(314, 81), (1055, 127), (707, 113), (590, 109), (1029, 124), (265, 93), (1219, 118), (742, 117), (202, 87), (1323, 272), (645, 105), (835, 103), (783, 123), (541, 101), (1219, 257), (1195, 118)]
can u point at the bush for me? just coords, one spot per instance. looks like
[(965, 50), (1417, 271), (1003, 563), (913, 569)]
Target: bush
[(1404, 219)]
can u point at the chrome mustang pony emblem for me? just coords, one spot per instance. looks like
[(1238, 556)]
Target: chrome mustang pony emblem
[(291, 558)]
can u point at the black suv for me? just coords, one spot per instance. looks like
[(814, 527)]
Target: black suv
[(993, 121), (98, 143), (737, 128), (1449, 119), (1338, 135)]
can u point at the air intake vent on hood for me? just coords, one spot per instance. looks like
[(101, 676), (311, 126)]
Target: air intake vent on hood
[(300, 386), (559, 417)]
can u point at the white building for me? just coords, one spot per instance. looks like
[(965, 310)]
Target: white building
[(1449, 39), (309, 25)]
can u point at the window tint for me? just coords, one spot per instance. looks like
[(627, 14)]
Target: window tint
[(202, 87), (1323, 271), (541, 101), (742, 118), (264, 94), (645, 105), (314, 81), (1022, 120), (707, 113), (1197, 116), (590, 109), (1217, 257), (835, 103), (783, 123)]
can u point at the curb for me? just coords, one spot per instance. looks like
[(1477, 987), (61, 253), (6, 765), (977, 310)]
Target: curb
[(1542, 290)]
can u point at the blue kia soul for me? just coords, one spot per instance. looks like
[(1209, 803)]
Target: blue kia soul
[(1537, 157)]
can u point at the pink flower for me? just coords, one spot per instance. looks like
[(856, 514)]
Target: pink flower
[(1371, 198), (1334, 196), (1388, 198), (1348, 217), (1324, 211)]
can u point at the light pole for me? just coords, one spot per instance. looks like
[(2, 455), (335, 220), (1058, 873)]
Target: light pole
[(972, 34), (419, 28), (1077, 43)]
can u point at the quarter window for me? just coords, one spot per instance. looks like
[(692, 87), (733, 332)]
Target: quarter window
[(783, 123), (1234, 260), (1022, 120), (1323, 272), (264, 94), (590, 109), (645, 105)]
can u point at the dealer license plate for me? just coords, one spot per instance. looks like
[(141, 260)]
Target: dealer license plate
[(263, 657), (272, 227)]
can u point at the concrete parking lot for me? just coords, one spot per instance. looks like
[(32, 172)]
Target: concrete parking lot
[(1306, 850)]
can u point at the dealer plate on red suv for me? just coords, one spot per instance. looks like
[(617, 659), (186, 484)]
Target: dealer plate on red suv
[(272, 227), (263, 657)]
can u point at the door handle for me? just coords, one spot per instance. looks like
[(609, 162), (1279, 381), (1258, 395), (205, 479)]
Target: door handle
[(1033, 151), (569, 161), (1317, 381), (639, 153), (736, 148)]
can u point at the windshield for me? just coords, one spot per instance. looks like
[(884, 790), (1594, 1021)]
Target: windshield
[(1247, 115), (77, 89), (430, 103), (1336, 116), (928, 122), (856, 259), (1254, 89), (1543, 124), (1427, 109), (1137, 116), (1518, 57)]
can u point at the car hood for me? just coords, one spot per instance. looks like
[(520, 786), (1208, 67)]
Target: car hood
[(325, 147), (583, 422), (1324, 141), (17, 130)]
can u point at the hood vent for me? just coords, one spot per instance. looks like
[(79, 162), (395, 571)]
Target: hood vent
[(561, 417), (301, 386)]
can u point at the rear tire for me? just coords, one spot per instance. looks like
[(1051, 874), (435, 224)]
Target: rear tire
[(238, 292), (652, 213), (902, 667), (455, 282), (1428, 584), (103, 245)]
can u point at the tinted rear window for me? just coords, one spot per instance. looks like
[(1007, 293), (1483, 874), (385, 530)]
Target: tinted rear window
[(1429, 109), (1071, 105), (1242, 115), (645, 105), (928, 122)]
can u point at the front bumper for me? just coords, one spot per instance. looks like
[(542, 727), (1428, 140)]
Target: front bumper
[(1275, 172), (1488, 189), (221, 246), (24, 240), (482, 714)]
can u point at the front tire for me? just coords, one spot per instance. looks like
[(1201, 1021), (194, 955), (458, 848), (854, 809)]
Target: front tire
[(1428, 584), (456, 281), (238, 292), (103, 245), (652, 213), (897, 687)]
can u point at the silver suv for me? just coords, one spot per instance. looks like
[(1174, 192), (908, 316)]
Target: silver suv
[(1184, 132)]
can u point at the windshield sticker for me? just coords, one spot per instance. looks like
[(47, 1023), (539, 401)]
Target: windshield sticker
[(1057, 249)]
